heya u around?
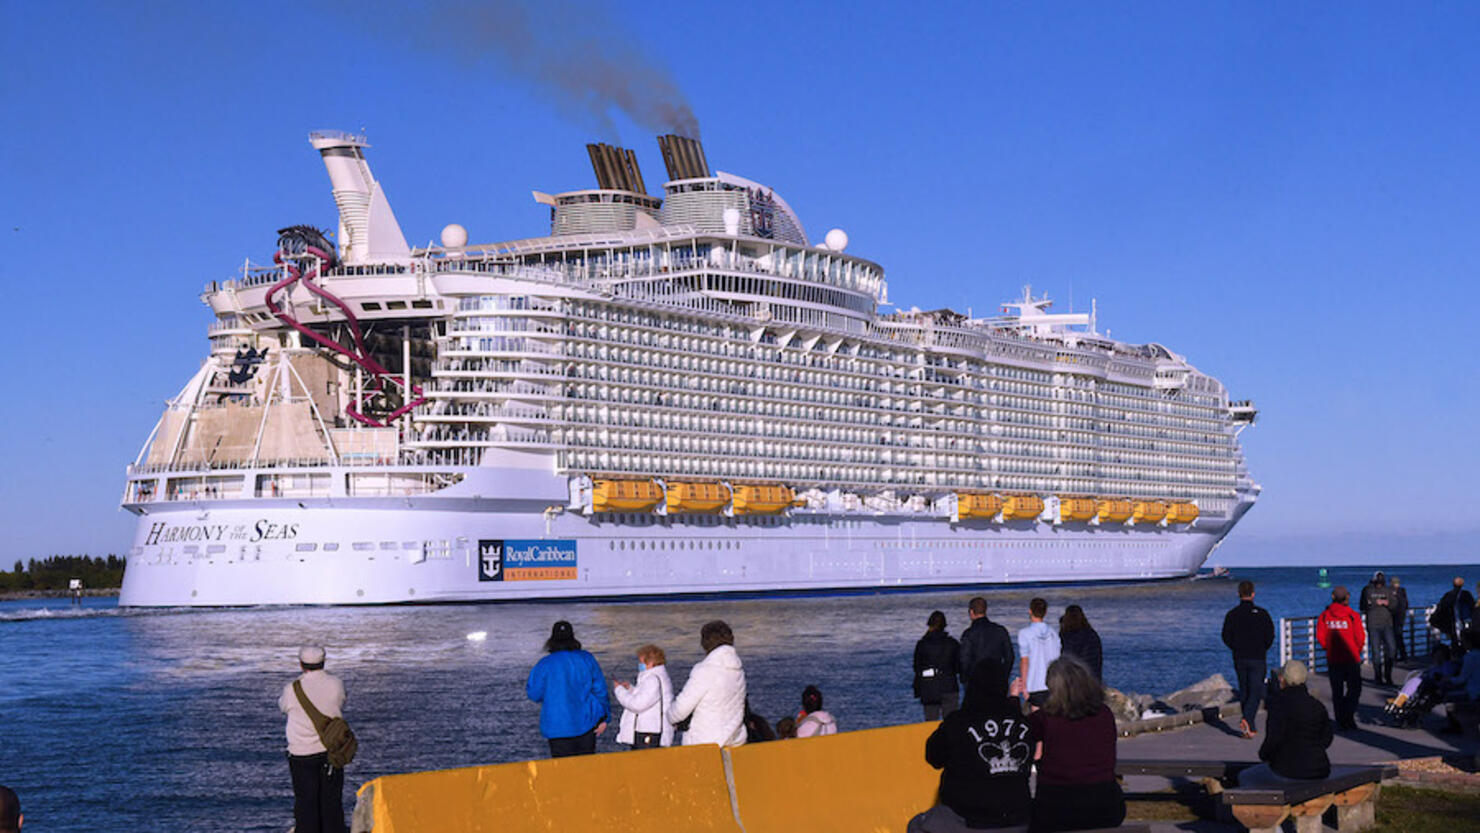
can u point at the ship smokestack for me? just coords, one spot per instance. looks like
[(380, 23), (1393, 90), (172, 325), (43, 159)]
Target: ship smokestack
[(368, 231), (683, 157), (616, 168)]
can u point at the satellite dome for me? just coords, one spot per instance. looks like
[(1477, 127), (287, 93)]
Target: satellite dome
[(837, 240), (454, 236)]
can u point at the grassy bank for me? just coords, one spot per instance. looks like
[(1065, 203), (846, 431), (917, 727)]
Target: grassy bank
[(1400, 809), (1419, 810)]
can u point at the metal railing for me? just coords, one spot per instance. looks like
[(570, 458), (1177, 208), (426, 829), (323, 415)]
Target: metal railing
[(1298, 639)]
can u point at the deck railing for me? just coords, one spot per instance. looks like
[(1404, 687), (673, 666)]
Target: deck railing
[(1298, 639)]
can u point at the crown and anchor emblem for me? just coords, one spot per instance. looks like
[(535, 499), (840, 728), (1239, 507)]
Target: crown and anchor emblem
[(244, 365), (491, 554)]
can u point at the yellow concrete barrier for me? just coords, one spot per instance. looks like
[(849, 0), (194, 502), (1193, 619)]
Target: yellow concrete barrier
[(659, 790), (860, 782)]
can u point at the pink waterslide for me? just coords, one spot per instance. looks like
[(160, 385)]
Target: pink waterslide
[(360, 356)]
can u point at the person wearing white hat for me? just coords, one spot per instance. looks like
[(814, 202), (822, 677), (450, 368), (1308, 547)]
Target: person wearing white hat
[(318, 788)]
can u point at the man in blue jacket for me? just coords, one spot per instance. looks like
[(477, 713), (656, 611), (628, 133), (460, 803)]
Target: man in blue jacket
[(571, 691)]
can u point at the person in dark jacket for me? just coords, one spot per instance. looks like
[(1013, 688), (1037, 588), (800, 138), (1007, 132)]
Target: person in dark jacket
[(1248, 632), (1298, 733), (1400, 614), (1377, 604), (984, 639), (937, 665), (757, 730), (1452, 614), (984, 751), (1078, 638)]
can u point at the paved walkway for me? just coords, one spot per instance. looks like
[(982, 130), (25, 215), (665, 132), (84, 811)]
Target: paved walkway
[(1373, 741)]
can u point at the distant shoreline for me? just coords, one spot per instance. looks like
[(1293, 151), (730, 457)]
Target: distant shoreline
[(21, 595)]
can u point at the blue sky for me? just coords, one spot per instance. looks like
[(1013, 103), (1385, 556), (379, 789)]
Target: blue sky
[(1284, 193)]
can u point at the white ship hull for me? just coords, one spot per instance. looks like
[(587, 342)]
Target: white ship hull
[(458, 547)]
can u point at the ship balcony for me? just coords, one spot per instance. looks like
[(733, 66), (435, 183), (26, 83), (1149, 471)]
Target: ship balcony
[(500, 304), (441, 437), (202, 467), (486, 414), (500, 350), (469, 390), (484, 367)]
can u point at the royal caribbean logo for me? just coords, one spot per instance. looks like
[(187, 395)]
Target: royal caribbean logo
[(244, 366), (490, 560), (526, 560)]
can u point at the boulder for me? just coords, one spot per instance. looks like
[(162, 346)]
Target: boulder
[(1209, 693), (1127, 708)]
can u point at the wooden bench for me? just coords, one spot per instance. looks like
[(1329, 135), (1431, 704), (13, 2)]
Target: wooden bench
[(1221, 771), (1352, 790), (1212, 776), (1127, 827)]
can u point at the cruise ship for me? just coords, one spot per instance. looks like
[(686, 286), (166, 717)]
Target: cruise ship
[(666, 395)]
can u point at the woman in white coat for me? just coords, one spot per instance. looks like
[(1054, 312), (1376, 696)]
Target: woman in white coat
[(646, 702), (714, 697)]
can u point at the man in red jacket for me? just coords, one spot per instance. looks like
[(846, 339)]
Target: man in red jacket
[(1339, 630)]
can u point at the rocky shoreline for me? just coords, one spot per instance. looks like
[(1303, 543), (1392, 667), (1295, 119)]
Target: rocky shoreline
[(1209, 699)]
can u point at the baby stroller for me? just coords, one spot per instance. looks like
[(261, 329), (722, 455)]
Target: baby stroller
[(1415, 699)]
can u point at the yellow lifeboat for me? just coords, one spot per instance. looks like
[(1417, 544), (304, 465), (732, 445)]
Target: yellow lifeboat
[(1076, 508), (1149, 511), (984, 507), (625, 495), (761, 500), (690, 498), (1115, 511), (1022, 507), (1182, 513)]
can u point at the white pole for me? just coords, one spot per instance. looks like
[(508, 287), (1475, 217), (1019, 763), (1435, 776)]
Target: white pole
[(1284, 641), (313, 409), (406, 375), (266, 408), (1310, 647)]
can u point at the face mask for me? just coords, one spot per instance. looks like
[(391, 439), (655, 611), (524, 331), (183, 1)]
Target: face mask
[(641, 666)]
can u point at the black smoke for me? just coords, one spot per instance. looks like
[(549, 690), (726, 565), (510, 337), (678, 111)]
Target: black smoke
[(576, 49)]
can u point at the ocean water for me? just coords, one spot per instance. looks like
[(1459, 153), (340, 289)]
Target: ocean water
[(168, 720)]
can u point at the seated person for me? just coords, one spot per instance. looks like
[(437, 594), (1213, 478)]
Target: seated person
[(1444, 664), (1464, 686), (812, 721), (1296, 735), (1076, 735), (984, 750), (786, 727), (1427, 679)]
